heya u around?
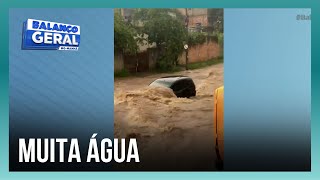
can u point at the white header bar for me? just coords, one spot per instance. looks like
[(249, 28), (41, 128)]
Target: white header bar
[(48, 26)]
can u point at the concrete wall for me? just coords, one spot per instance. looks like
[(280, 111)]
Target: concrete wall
[(198, 53), (193, 11), (201, 53), (196, 16)]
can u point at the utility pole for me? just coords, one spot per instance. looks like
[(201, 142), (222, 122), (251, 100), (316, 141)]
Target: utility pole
[(187, 29)]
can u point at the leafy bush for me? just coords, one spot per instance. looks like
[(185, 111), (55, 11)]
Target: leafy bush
[(122, 73), (196, 38), (220, 42), (220, 39)]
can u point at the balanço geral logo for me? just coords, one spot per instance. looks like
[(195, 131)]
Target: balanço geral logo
[(46, 35)]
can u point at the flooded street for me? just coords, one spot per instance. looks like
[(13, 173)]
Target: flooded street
[(173, 133)]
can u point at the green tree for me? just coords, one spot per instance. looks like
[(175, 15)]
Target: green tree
[(165, 28), (124, 36)]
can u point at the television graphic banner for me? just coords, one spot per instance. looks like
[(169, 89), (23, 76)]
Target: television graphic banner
[(159, 89), (48, 35)]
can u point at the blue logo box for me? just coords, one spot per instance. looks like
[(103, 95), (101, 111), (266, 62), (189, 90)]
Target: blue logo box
[(46, 35)]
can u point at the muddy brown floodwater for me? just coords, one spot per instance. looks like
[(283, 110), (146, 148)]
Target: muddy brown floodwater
[(172, 133)]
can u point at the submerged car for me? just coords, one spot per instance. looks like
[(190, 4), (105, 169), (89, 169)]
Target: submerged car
[(218, 125), (182, 86)]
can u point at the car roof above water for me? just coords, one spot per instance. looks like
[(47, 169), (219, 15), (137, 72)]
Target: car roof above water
[(169, 80), (174, 78)]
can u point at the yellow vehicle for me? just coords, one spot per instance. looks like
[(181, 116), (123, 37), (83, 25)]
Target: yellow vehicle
[(218, 125)]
